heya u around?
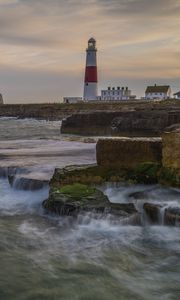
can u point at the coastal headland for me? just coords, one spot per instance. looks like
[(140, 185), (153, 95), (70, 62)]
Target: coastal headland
[(58, 111)]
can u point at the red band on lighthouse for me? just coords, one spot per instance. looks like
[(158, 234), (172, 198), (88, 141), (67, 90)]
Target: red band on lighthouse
[(91, 74)]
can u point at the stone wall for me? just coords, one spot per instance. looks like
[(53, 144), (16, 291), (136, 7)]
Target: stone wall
[(118, 153)]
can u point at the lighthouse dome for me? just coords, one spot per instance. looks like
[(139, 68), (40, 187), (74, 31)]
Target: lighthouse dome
[(92, 44), (92, 40)]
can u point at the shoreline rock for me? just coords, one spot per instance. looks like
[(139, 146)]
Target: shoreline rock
[(132, 122), (77, 200), (170, 215), (25, 183), (116, 153), (58, 111)]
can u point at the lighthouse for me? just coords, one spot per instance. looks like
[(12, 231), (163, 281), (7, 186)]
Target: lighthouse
[(90, 80)]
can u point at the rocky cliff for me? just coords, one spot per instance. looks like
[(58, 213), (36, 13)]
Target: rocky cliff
[(117, 153), (58, 111), (93, 123), (144, 122), (37, 111), (171, 147)]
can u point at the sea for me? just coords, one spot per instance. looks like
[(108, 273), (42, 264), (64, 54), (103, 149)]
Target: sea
[(47, 257)]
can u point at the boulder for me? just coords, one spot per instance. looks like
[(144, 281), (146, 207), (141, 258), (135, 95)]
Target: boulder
[(79, 198), (172, 216), (152, 211)]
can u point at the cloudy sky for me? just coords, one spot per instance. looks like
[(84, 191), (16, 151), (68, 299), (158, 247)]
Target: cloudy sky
[(42, 46)]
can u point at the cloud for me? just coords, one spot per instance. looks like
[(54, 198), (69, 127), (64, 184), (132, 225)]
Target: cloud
[(7, 2), (135, 38), (142, 7)]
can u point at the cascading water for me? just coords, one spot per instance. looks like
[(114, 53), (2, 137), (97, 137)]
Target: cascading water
[(92, 257), (161, 198)]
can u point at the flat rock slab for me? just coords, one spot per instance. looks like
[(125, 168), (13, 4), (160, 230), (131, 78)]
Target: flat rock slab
[(128, 152)]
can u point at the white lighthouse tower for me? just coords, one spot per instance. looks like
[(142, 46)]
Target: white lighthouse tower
[(90, 80)]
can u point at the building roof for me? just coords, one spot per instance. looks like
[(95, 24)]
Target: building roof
[(177, 94), (157, 89)]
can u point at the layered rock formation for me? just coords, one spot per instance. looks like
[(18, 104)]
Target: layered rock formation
[(171, 155), (171, 147), (170, 215), (133, 122), (93, 123), (117, 153)]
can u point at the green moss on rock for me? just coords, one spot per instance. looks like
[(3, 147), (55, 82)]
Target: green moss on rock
[(145, 173), (80, 198), (170, 177), (86, 174), (77, 190)]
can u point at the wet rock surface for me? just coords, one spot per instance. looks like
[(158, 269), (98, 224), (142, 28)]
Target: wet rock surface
[(20, 179), (70, 203), (141, 195), (152, 211), (27, 184), (170, 215)]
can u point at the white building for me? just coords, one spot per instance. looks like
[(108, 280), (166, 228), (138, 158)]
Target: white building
[(177, 95), (159, 92), (116, 94)]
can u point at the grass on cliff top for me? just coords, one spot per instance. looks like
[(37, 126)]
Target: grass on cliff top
[(77, 190)]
